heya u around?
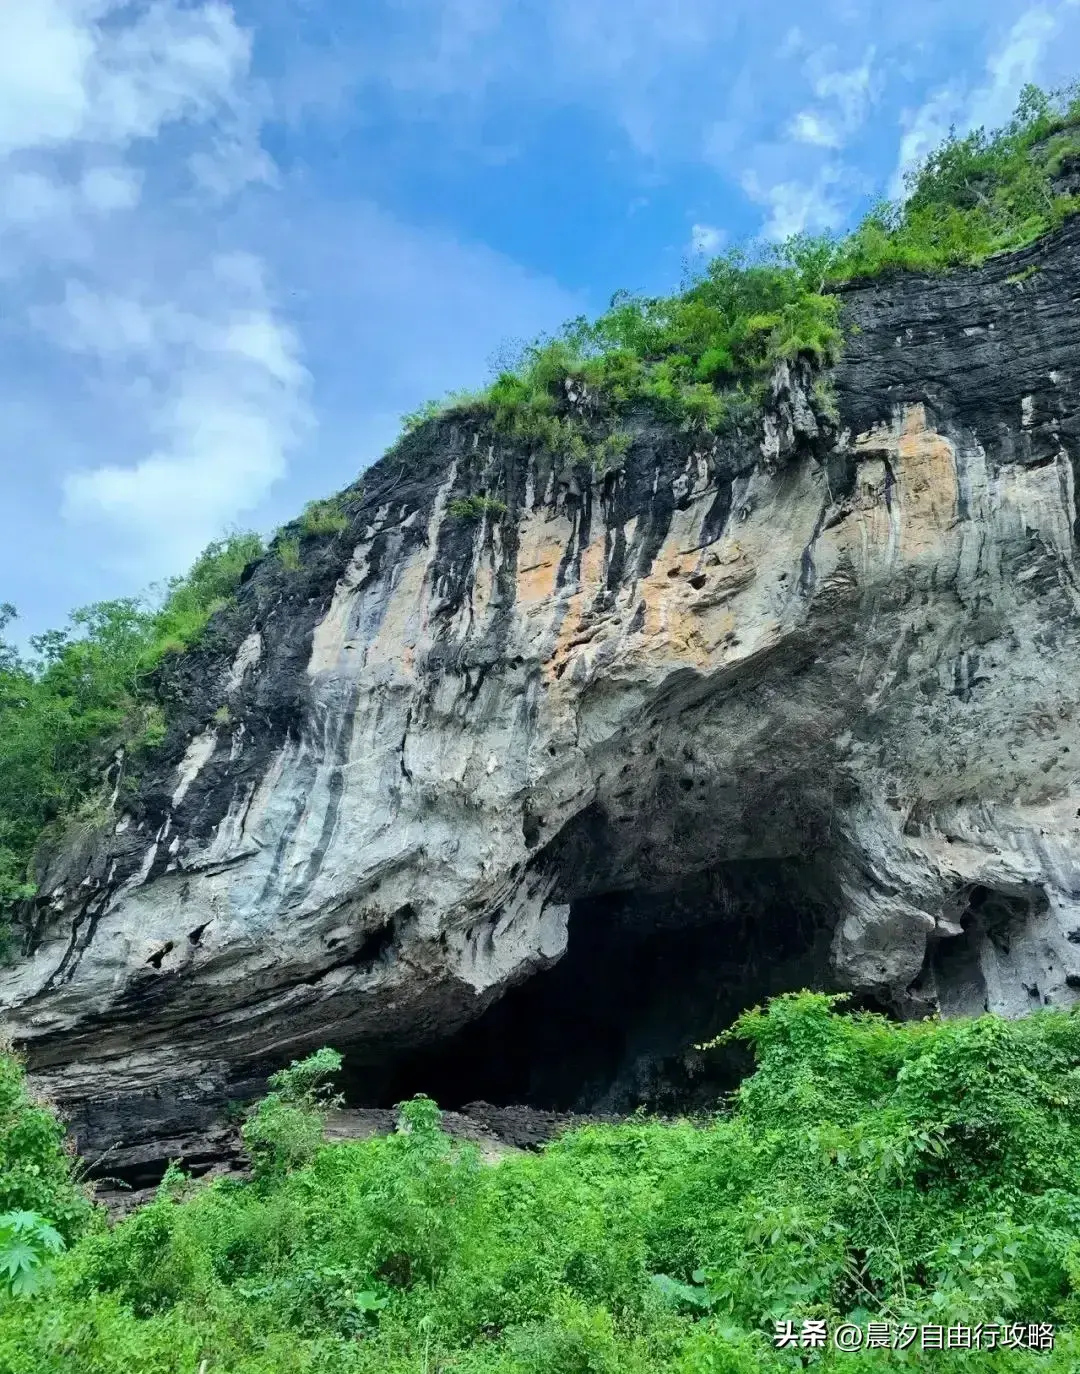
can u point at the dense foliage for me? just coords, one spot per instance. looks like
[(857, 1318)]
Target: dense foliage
[(35, 1168), (702, 357), (908, 1173), (84, 694)]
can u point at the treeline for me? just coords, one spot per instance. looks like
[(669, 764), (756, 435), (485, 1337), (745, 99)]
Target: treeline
[(82, 693), (701, 357)]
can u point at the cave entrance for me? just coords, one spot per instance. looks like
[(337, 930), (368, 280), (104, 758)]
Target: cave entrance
[(647, 974)]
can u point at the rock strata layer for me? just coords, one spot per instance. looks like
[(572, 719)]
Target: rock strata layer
[(843, 642)]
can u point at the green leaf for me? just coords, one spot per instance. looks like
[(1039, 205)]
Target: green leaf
[(29, 1282), (18, 1257), (19, 1221)]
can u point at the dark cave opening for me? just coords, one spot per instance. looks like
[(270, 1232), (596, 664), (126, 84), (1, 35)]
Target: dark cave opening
[(647, 974)]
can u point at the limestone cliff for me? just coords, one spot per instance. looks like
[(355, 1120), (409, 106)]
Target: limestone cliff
[(805, 699)]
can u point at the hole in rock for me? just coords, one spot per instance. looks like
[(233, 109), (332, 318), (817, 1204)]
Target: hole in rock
[(156, 959), (380, 940), (995, 949), (647, 974)]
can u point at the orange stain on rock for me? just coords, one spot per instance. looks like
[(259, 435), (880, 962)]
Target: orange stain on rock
[(926, 477), (925, 493), (543, 543), (574, 631)]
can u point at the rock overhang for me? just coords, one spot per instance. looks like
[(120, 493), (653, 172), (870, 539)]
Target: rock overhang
[(845, 641)]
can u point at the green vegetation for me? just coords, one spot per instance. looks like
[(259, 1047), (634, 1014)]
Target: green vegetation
[(285, 1129), (36, 1173), (920, 1173), (473, 508), (324, 517), (84, 694), (431, 410), (826, 400), (701, 358), (977, 195), (27, 1243), (287, 548)]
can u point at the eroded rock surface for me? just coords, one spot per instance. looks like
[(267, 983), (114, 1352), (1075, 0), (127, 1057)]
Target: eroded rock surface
[(845, 642)]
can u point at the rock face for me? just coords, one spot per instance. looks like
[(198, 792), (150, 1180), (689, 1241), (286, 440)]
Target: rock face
[(803, 703)]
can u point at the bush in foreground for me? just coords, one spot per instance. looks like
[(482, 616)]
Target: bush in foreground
[(867, 1171)]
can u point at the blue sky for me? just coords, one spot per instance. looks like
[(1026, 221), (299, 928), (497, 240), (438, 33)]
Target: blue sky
[(238, 241)]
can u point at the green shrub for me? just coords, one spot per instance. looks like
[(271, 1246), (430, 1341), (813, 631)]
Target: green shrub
[(323, 517), (191, 600), (35, 1168), (473, 508), (826, 400), (27, 1242), (285, 1129), (430, 410), (86, 693), (610, 454), (697, 356), (287, 549)]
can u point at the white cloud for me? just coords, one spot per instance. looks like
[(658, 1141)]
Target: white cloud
[(102, 326), (797, 178), (173, 62), (924, 129), (847, 96), (1018, 60), (1012, 66), (107, 254), (706, 239), (66, 76), (47, 50), (226, 401), (106, 189), (850, 90), (795, 207), (236, 159), (26, 197), (29, 198), (808, 126)]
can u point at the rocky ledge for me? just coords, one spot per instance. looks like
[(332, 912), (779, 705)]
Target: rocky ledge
[(796, 706)]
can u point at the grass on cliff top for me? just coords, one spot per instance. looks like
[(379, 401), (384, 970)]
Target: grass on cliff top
[(920, 1173), (702, 357)]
